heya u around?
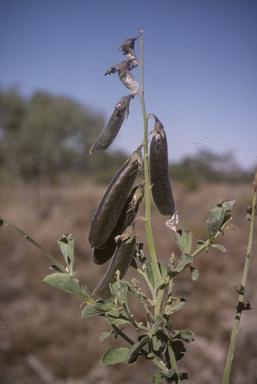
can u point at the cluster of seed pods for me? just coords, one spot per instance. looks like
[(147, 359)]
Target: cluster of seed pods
[(112, 233)]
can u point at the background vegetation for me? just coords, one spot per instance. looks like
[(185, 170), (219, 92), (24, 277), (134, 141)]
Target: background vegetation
[(50, 186), (47, 138)]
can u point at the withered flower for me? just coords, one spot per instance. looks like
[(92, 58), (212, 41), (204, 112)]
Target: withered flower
[(125, 76), (128, 50)]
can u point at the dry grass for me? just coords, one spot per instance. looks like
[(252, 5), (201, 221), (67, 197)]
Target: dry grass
[(43, 338)]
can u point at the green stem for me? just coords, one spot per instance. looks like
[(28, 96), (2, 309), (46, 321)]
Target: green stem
[(144, 353), (156, 271), (173, 362), (240, 306), (35, 243), (201, 248)]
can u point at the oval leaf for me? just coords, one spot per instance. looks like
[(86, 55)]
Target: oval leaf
[(67, 283), (220, 247), (136, 348), (194, 273), (184, 334), (95, 309), (183, 238), (215, 221), (115, 356)]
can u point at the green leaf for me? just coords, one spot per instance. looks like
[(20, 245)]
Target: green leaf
[(157, 323), (66, 245), (115, 356), (219, 247), (136, 348), (174, 306), (150, 275), (183, 238), (215, 220), (117, 317), (184, 334), (95, 309), (228, 206), (169, 374), (119, 291), (67, 283), (184, 262), (104, 336), (157, 379), (194, 273), (163, 271), (157, 346)]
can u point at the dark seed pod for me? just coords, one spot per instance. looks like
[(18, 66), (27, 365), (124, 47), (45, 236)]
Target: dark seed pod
[(110, 131), (128, 214), (113, 201), (159, 171), (121, 261), (128, 50)]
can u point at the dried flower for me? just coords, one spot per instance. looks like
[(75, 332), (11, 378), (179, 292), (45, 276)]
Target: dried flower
[(125, 76), (128, 50)]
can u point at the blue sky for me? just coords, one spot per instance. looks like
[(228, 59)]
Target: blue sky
[(200, 62)]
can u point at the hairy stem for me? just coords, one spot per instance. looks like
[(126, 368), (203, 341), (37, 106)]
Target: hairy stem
[(53, 260), (156, 271), (173, 362), (240, 306), (144, 353)]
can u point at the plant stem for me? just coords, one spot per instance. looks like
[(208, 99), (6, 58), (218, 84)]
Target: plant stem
[(35, 243), (156, 271), (173, 362), (131, 342), (240, 306)]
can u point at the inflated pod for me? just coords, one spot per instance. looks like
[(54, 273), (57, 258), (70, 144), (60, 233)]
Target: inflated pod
[(125, 75), (113, 201), (110, 131), (128, 50), (121, 261), (159, 171), (128, 214)]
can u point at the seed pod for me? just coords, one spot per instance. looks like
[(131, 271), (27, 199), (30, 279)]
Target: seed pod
[(112, 203), (125, 75), (110, 131), (128, 50), (128, 214), (121, 261), (159, 171)]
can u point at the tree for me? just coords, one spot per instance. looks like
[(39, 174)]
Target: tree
[(46, 135)]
